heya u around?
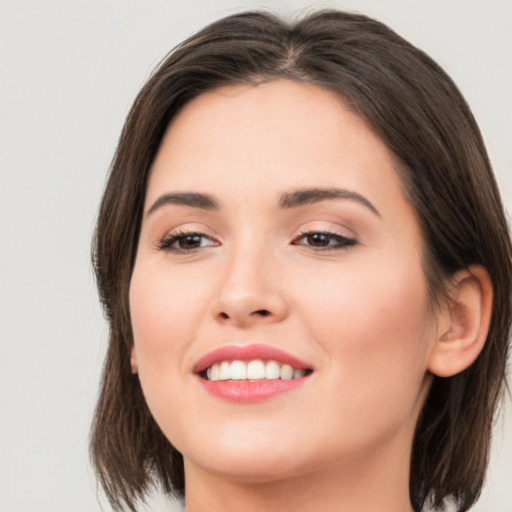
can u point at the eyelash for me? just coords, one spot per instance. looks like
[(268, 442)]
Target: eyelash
[(167, 243), (340, 242)]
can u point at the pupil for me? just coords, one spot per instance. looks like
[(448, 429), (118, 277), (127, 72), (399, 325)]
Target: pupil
[(190, 241), (318, 239)]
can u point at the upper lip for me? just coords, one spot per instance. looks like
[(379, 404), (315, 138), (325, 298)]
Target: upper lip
[(248, 353)]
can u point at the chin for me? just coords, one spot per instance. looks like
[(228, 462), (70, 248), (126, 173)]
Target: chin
[(254, 468), (254, 457)]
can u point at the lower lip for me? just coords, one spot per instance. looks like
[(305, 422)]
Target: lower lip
[(250, 391)]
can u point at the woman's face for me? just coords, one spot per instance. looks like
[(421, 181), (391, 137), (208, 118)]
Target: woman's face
[(276, 234)]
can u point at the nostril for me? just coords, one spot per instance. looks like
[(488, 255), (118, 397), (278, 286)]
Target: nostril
[(243, 315), (261, 312)]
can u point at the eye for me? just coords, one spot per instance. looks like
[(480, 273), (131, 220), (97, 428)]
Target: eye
[(183, 242), (324, 240)]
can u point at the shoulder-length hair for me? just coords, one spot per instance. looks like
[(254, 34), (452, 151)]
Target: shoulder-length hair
[(423, 119)]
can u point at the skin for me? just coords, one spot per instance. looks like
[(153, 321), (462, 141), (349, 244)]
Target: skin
[(358, 314)]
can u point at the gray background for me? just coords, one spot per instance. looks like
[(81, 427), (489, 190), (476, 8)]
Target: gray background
[(69, 72)]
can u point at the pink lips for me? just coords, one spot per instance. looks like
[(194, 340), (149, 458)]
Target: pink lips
[(247, 391)]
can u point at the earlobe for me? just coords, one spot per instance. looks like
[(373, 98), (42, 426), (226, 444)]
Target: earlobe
[(133, 361), (462, 332)]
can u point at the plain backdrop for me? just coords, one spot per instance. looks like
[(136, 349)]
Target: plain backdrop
[(69, 72)]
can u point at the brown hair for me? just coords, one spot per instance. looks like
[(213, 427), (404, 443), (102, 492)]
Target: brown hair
[(422, 117)]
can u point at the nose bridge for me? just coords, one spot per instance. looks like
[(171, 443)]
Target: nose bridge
[(249, 290)]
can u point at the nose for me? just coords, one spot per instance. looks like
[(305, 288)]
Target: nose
[(250, 291)]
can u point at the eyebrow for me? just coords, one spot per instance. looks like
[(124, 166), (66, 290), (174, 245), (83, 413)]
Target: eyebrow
[(306, 196), (192, 199), (293, 199)]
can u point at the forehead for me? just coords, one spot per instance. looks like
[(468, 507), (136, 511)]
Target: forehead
[(274, 135)]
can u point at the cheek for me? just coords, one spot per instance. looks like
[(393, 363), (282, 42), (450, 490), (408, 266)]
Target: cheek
[(373, 306), (373, 327), (165, 309)]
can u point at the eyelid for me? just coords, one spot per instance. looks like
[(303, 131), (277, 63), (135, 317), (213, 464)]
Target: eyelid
[(165, 242), (341, 241), (335, 231), (327, 227)]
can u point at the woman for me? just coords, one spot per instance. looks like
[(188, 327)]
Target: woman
[(306, 268)]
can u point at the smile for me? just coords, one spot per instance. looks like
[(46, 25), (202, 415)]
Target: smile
[(257, 369), (250, 373)]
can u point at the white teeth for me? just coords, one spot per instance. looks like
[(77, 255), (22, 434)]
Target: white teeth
[(286, 372), (253, 370), (224, 372), (256, 370), (298, 373), (238, 370), (272, 370)]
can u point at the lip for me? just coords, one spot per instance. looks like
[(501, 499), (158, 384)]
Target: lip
[(248, 353), (249, 391)]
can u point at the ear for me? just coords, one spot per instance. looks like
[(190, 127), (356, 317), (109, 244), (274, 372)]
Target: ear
[(133, 360), (463, 323)]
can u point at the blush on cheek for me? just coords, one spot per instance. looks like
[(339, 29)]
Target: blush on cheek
[(166, 315), (373, 313)]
